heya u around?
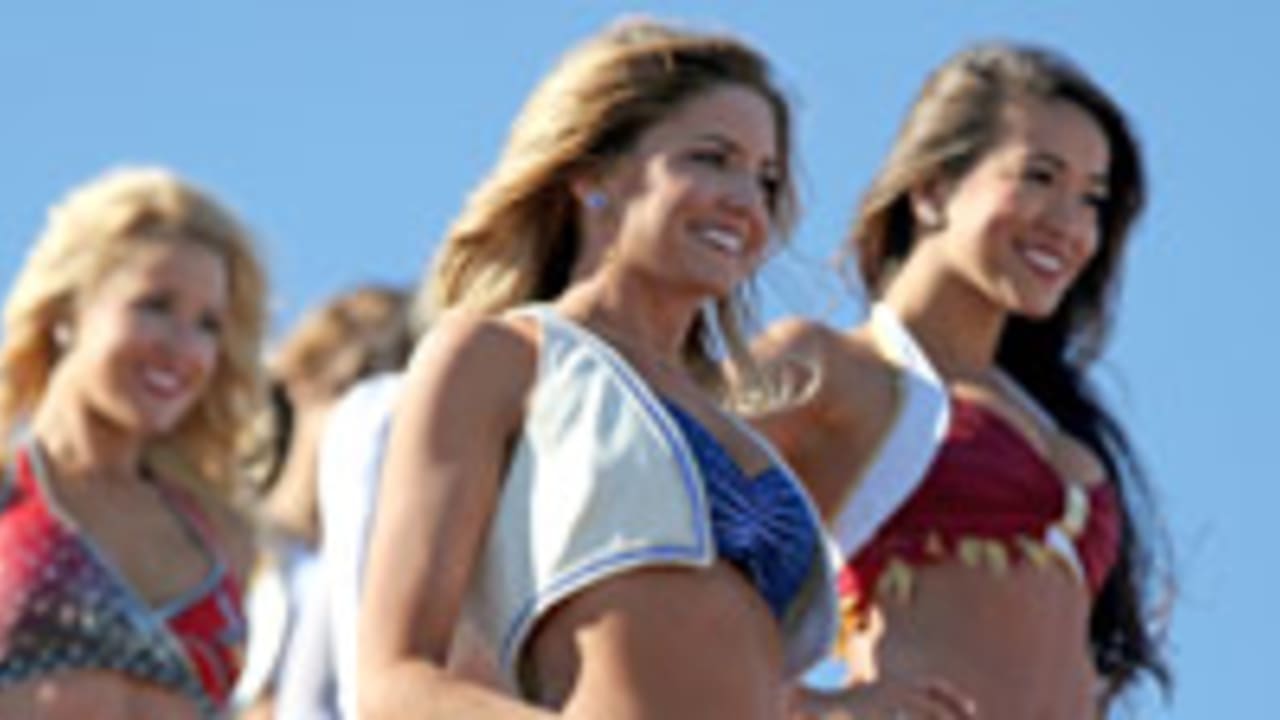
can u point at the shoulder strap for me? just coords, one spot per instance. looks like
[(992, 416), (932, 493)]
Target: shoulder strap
[(918, 427), (1026, 400), (12, 462), (193, 518), (6, 479)]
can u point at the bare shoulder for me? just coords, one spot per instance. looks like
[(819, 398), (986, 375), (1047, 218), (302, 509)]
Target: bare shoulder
[(481, 356), (793, 336), (469, 337), (851, 379), (236, 534)]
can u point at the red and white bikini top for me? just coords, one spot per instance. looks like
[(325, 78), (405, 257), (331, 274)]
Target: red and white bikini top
[(955, 479), (64, 605)]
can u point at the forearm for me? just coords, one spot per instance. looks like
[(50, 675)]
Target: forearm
[(415, 690)]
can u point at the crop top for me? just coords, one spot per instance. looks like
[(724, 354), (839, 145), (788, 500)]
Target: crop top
[(65, 606), (606, 478), (964, 483)]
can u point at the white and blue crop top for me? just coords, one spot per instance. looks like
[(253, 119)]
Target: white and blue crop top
[(608, 477)]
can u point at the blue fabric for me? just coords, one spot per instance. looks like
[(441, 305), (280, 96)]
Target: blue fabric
[(760, 524)]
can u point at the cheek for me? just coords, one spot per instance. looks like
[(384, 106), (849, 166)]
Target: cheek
[(1092, 243), (206, 354)]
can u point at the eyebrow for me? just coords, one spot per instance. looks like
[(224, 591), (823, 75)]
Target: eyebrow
[(1101, 180), (771, 163)]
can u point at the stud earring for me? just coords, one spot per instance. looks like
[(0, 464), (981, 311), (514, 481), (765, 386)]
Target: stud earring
[(61, 335), (596, 200), (930, 218)]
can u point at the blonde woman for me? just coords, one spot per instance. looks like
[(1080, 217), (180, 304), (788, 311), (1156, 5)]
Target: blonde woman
[(128, 371), (569, 523), (978, 485)]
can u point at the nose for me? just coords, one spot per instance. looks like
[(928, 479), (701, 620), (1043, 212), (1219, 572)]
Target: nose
[(1073, 219), (747, 199), (187, 343)]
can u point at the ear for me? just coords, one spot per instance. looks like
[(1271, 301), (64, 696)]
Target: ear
[(591, 184), (582, 186), (929, 201)]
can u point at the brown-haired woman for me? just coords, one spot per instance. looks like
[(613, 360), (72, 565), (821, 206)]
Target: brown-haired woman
[(982, 492), (128, 372), (357, 334), (569, 525)]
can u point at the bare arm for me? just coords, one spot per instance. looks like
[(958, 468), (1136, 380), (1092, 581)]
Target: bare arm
[(840, 398), (461, 403)]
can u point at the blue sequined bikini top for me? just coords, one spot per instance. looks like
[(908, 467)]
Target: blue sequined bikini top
[(761, 524)]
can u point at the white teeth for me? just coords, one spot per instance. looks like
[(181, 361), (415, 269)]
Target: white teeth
[(161, 380), (1042, 260), (724, 240)]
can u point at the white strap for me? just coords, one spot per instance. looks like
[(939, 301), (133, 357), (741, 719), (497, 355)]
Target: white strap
[(917, 431)]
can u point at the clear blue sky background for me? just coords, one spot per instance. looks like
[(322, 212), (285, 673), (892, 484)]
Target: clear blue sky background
[(347, 134)]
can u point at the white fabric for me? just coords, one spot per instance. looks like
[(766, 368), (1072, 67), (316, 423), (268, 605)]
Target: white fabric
[(273, 599), (918, 429), (601, 482), (351, 452), (306, 687), (914, 439)]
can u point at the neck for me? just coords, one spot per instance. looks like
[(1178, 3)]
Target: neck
[(638, 317), (958, 327), (78, 441), (292, 506)]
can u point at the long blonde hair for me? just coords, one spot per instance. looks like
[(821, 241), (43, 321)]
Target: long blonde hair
[(516, 240), (87, 235)]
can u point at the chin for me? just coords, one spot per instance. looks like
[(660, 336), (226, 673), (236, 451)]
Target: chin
[(153, 422)]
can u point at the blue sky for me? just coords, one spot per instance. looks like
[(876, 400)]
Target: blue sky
[(348, 138)]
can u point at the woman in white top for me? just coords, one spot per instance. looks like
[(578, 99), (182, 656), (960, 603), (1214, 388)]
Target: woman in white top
[(569, 525)]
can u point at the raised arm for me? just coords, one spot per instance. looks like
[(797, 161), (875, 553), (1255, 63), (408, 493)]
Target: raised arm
[(461, 405)]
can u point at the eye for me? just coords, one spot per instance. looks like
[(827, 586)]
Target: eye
[(211, 324), (1039, 175), (154, 303), (771, 186), (711, 157), (1097, 200)]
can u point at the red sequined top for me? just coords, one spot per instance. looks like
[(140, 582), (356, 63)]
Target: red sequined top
[(65, 606)]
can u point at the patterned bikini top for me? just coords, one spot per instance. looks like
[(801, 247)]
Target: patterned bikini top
[(65, 606), (761, 524)]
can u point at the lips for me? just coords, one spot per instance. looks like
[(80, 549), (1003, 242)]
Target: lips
[(163, 383)]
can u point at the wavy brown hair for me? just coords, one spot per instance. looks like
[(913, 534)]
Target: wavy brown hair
[(517, 239), (955, 120)]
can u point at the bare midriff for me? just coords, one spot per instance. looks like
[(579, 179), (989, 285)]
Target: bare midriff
[(1016, 642), (696, 643)]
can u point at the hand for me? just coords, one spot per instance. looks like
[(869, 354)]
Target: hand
[(888, 699)]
